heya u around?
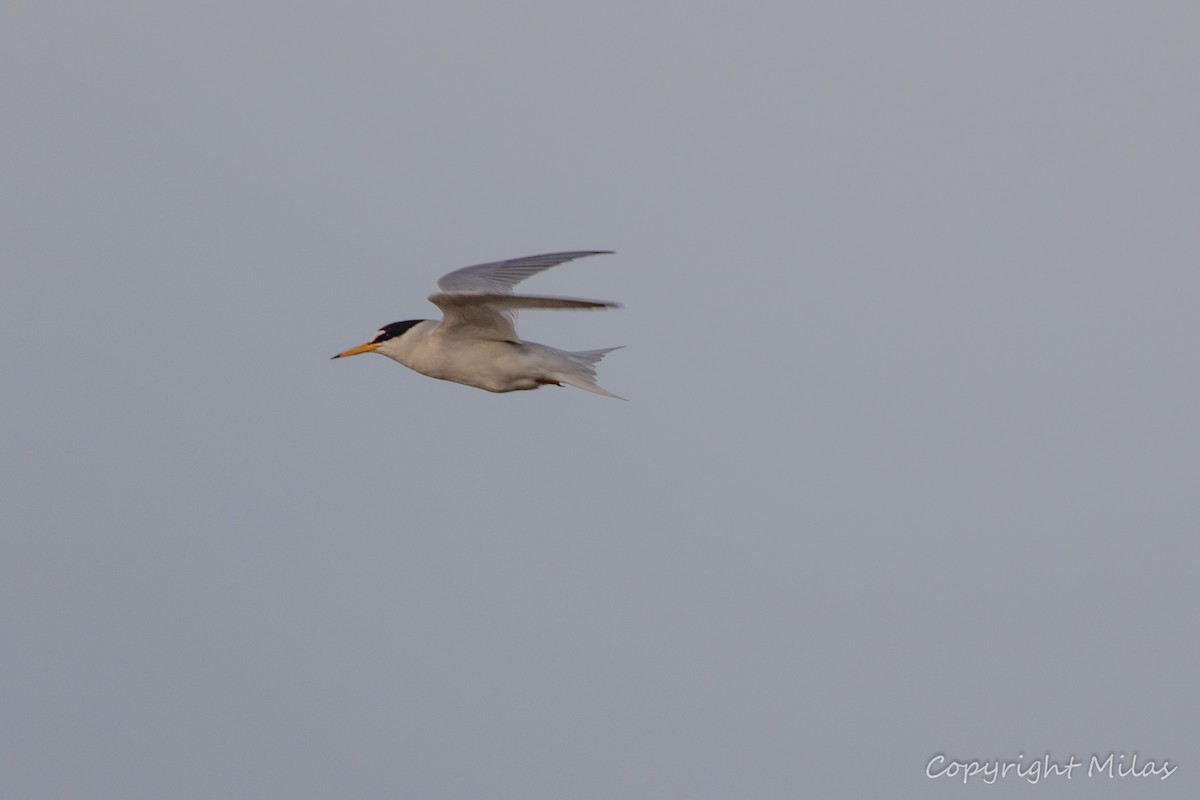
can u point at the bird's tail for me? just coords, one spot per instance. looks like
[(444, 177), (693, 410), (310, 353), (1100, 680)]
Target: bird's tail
[(582, 372)]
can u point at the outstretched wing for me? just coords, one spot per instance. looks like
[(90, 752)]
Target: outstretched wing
[(491, 316), (478, 301), (499, 277)]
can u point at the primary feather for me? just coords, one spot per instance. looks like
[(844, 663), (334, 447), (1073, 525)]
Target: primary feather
[(499, 277)]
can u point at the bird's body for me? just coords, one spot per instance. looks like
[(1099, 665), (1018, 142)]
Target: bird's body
[(476, 343)]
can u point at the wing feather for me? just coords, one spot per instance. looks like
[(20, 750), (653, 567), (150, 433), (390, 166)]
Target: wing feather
[(499, 277), (478, 300), (491, 316)]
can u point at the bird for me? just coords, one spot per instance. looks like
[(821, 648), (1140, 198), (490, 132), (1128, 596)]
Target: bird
[(476, 343)]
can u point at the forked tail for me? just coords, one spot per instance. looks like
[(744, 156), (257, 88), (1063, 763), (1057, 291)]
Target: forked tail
[(583, 373)]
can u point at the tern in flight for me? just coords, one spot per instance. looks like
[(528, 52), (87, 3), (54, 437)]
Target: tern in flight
[(476, 340)]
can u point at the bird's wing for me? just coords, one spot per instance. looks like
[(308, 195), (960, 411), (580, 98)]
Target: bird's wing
[(499, 277), (482, 315)]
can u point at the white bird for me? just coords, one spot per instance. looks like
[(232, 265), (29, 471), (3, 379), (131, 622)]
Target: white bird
[(476, 341)]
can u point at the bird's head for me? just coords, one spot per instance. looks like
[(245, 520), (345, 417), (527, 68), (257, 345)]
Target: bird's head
[(382, 336)]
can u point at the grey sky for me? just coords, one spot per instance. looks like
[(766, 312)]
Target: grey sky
[(909, 464)]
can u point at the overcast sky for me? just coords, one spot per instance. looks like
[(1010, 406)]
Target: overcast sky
[(909, 464)]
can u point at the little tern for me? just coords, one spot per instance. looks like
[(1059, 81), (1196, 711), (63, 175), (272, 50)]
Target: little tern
[(476, 340)]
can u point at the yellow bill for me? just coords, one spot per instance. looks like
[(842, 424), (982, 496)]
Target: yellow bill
[(369, 347)]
